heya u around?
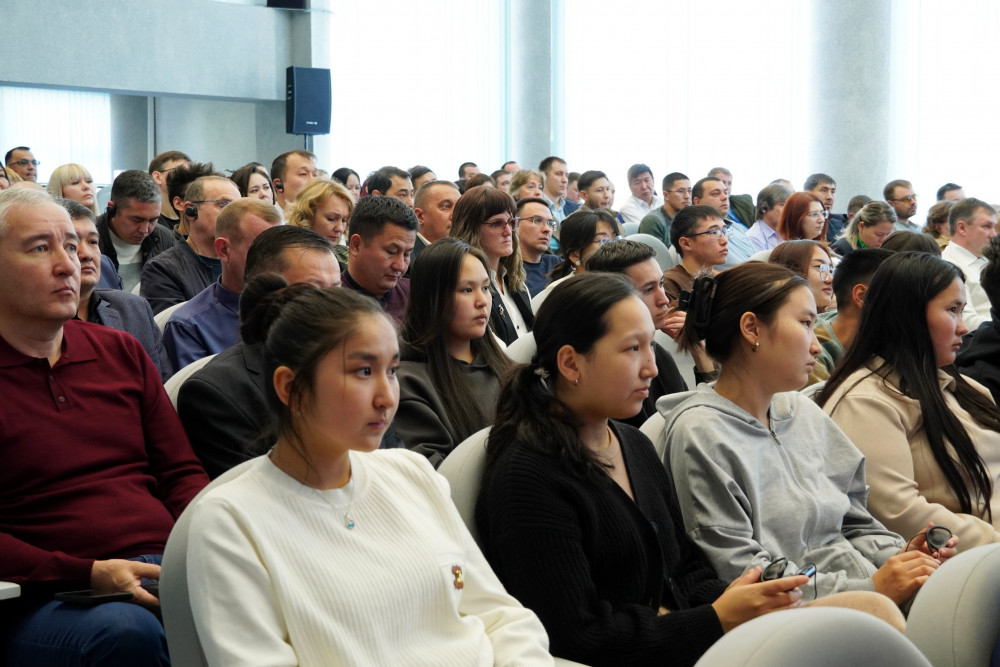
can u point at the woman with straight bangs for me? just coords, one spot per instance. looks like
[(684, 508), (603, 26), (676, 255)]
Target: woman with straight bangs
[(931, 436), (253, 180), (577, 515), (349, 179), (486, 218), (764, 478), (810, 260), (326, 551), (325, 206), (449, 377), (868, 228), (803, 218), (527, 183), (73, 181)]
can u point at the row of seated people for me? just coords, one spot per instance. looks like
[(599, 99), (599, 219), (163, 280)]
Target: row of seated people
[(504, 232)]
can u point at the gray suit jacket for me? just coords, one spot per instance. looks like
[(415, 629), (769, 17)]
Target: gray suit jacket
[(130, 313)]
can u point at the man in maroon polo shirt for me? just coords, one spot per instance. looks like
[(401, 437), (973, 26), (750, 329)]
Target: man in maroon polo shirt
[(94, 464)]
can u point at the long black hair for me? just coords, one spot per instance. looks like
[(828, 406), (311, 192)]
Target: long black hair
[(424, 331), (893, 326), (575, 314)]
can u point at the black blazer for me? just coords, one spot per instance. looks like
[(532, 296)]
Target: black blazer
[(500, 321)]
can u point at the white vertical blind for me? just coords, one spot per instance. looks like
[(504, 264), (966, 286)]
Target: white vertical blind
[(60, 126)]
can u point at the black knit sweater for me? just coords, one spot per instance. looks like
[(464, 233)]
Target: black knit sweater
[(596, 566)]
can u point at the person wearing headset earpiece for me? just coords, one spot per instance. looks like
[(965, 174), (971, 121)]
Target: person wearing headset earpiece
[(129, 231), (290, 172)]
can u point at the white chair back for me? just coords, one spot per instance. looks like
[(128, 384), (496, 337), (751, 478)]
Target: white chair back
[(663, 256), (173, 385), (463, 469), (161, 317)]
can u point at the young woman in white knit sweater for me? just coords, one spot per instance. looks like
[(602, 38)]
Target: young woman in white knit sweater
[(321, 553)]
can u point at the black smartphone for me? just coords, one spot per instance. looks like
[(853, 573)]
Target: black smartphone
[(89, 598)]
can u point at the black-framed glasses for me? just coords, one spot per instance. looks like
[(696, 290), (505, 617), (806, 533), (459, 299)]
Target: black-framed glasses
[(219, 203), (24, 162), (538, 221), (715, 233), (498, 225)]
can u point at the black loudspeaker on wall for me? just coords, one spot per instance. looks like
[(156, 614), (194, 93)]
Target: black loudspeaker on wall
[(307, 100), (287, 4)]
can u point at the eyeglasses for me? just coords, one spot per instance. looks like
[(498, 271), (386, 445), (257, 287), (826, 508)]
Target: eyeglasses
[(498, 225), (825, 271), (24, 162), (715, 233), (607, 239), (824, 214), (681, 191), (538, 220), (908, 199), (219, 203)]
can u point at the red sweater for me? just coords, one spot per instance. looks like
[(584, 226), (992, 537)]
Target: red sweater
[(94, 463)]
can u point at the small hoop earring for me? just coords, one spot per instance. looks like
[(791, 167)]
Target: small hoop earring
[(755, 346)]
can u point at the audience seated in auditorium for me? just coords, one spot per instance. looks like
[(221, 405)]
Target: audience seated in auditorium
[(95, 467), (324, 206), (486, 218), (595, 188), (350, 179), (111, 307), (771, 200), (803, 217), (554, 187), (712, 191), (390, 182), (129, 229), (644, 197), (572, 187), (857, 203), (868, 228), (450, 364), (180, 273), (74, 182), (22, 162), (502, 179), (979, 358), (420, 175), (534, 236), (223, 405), (278, 573), (577, 516), (583, 233), (836, 329), (467, 170), (433, 205), (937, 222), (383, 232), (950, 192), (741, 452), (928, 434), (810, 260), (701, 238), (527, 183), (676, 195), (209, 322), (252, 180), (825, 189), (178, 180), (160, 168), (289, 173), (741, 208), (973, 223), (900, 195), (637, 262)]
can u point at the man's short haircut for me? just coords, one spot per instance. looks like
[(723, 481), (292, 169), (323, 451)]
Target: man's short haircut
[(196, 188), (673, 177), (947, 187), (16, 197), (699, 188), (76, 210), (965, 210), (857, 203), (498, 173), (419, 170), (135, 185), (461, 168), (267, 252), (503, 167), (372, 213), (688, 218), (771, 196), (816, 180), (424, 191), (719, 170), (857, 268), (573, 177), (180, 178), (530, 200), (381, 180), (161, 160), (989, 278), (10, 153), (545, 165), (590, 177), (889, 191), (281, 162), (616, 256), (228, 224), (637, 170)]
